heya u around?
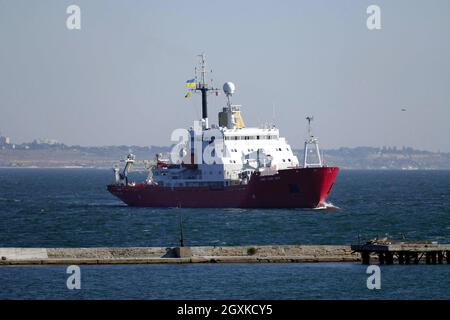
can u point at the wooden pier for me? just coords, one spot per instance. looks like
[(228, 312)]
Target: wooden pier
[(404, 252)]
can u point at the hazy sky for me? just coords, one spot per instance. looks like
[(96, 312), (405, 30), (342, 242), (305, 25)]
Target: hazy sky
[(120, 79)]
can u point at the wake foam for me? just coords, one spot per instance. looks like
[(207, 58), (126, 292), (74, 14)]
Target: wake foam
[(328, 206)]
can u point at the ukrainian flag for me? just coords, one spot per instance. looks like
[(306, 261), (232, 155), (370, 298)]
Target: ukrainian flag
[(191, 83)]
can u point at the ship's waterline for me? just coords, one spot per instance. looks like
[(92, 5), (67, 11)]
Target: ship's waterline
[(300, 188)]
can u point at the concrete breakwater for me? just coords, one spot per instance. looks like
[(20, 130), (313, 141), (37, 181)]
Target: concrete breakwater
[(176, 255)]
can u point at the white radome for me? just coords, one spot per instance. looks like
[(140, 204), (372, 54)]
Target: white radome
[(229, 88)]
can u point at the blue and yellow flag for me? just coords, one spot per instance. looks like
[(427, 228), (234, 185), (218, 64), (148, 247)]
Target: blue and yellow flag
[(191, 83)]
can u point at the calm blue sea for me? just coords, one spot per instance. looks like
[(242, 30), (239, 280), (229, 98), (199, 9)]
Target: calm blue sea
[(71, 208)]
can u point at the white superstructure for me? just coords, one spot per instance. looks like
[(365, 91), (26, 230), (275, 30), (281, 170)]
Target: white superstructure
[(242, 152), (238, 151)]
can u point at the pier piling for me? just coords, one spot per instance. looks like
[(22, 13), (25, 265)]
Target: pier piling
[(381, 257), (440, 256), (389, 257), (433, 257), (365, 257), (401, 258), (428, 257)]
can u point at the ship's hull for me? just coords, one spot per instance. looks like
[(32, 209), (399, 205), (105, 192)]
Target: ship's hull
[(289, 188)]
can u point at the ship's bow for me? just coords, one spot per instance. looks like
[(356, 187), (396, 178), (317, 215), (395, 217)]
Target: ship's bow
[(308, 187)]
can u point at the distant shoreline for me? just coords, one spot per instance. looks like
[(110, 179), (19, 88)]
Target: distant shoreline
[(141, 170), (360, 158)]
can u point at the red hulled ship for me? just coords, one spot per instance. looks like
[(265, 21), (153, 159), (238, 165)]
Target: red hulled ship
[(229, 165)]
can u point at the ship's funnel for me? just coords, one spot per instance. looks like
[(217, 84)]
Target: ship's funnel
[(230, 117)]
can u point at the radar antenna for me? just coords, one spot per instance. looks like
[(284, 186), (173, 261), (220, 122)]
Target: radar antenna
[(229, 89)]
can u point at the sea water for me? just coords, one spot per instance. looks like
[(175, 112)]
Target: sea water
[(71, 208)]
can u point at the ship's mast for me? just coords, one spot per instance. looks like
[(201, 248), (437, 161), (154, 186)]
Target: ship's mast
[(203, 87)]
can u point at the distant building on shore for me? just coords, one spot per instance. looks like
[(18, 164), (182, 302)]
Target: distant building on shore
[(46, 141), (5, 142)]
